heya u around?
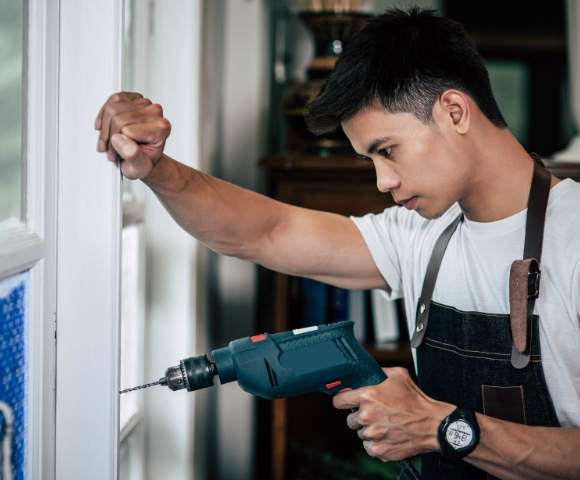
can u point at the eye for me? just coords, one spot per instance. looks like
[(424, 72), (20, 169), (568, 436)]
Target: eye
[(366, 159), (385, 152)]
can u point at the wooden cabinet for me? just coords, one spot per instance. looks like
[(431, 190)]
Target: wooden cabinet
[(344, 185)]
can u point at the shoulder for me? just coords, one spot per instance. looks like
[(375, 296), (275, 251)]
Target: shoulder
[(562, 230), (564, 207), (397, 222), (565, 194)]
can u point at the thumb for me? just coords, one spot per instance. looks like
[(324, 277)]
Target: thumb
[(125, 147), (134, 163)]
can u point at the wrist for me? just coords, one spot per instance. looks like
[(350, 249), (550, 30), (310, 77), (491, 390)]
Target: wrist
[(441, 410), (165, 177)]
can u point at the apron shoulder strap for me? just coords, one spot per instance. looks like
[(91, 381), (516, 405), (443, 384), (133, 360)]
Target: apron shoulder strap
[(424, 304), (525, 274)]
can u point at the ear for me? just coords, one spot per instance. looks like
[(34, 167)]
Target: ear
[(454, 109)]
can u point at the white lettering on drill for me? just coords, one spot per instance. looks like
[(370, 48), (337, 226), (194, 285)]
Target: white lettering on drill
[(298, 331)]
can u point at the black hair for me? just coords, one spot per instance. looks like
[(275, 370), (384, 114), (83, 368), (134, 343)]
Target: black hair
[(402, 61)]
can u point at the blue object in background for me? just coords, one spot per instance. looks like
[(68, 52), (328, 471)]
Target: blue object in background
[(314, 302), (13, 314), (338, 305)]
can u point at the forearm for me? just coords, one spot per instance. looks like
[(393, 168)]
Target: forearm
[(237, 222), (228, 219), (513, 452)]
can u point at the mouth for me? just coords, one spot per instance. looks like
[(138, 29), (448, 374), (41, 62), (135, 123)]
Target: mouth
[(408, 203)]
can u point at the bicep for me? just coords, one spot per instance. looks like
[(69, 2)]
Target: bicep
[(322, 246)]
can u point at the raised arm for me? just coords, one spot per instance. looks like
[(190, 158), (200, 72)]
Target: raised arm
[(227, 218)]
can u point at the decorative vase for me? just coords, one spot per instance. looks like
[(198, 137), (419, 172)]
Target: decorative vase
[(332, 32)]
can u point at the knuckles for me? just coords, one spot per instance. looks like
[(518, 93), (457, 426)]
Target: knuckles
[(116, 97), (164, 126), (364, 418), (398, 372), (156, 109), (378, 450), (123, 97)]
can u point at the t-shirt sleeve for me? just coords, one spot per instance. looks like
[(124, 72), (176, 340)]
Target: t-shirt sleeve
[(388, 236)]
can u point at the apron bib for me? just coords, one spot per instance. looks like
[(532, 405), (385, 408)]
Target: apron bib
[(489, 363)]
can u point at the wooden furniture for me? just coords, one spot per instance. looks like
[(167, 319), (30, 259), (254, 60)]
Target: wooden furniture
[(344, 185)]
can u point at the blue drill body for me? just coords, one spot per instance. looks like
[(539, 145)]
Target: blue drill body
[(326, 358)]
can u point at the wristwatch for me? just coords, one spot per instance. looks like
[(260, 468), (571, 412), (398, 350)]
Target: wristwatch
[(458, 436)]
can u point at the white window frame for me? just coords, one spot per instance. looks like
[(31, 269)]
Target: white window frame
[(73, 214), (88, 248), (32, 246)]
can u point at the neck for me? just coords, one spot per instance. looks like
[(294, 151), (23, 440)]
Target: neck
[(500, 179)]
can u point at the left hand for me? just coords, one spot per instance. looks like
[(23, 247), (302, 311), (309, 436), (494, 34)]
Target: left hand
[(395, 419)]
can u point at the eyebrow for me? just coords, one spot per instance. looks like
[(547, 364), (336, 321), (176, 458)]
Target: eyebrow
[(375, 143)]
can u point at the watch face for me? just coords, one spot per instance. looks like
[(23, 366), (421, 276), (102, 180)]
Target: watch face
[(459, 434)]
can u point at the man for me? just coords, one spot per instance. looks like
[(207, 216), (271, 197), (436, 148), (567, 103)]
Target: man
[(413, 96)]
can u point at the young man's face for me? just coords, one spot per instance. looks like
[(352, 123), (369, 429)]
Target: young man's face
[(421, 165)]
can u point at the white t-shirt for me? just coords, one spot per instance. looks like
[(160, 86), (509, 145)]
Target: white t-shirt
[(474, 276)]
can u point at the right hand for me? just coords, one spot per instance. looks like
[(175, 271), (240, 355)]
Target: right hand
[(132, 128)]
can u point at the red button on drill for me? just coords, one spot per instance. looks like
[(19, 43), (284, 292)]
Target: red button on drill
[(333, 384), (258, 338)]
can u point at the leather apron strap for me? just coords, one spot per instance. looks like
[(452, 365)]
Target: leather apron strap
[(520, 324), (525, 274), (424, 304)]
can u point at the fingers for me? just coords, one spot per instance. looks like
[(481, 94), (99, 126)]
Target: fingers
[(123, 113), (117, 104), (349, 399), (115, 98), (353, 422), (396, 372), (152, 133)]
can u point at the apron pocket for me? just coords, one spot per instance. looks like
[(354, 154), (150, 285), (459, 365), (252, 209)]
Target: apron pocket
[(504, 403)]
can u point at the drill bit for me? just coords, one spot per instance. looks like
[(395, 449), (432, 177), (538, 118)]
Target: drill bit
[(161, 381)]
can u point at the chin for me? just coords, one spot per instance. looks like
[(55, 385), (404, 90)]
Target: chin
[(433, 215)]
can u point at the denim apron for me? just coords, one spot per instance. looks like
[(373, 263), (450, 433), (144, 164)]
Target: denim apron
[(468, 358)]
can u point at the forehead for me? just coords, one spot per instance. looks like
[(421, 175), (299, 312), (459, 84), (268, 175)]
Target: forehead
[(371, 124)]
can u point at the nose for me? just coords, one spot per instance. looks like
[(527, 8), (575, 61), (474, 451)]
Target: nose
[(387, 179)]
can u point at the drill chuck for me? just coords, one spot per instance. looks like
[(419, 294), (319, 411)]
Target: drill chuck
[(192, 373)]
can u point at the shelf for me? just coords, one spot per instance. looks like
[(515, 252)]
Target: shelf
[(394, 354)]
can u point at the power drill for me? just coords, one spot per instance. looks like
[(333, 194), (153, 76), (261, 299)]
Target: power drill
[(324, 358)]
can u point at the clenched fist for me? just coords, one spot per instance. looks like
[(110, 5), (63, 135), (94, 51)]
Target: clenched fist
[(132, 128)]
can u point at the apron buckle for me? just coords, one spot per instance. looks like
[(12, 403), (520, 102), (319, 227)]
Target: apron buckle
[(534, 284)]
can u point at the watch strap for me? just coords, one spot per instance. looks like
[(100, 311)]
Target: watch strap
[(446, 465)]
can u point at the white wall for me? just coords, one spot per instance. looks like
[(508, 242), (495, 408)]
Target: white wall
[(234, 111)]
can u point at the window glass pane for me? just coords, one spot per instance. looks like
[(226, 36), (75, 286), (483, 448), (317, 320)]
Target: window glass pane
[(11, 163), (131, 324)]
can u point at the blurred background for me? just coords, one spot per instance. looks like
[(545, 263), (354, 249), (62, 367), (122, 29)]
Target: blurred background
[(255, 65), (234, 77), (260, 61)]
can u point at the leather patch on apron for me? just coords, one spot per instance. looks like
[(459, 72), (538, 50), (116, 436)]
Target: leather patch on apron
[(504, 403)]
